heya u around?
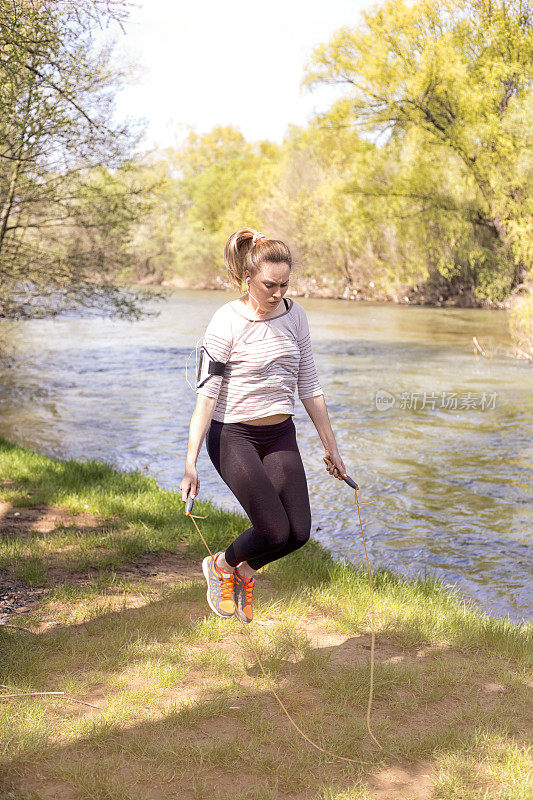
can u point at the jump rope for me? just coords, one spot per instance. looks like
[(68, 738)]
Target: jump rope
[(188, 508)]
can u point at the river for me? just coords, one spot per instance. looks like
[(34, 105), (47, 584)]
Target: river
[(438, 437)]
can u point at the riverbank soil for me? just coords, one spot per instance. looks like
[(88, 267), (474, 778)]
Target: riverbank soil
[(429, 294), (102, 599)]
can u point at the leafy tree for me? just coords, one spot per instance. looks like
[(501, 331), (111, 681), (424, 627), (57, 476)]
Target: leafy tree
[(454, 76), (59, 150), (205, 189)]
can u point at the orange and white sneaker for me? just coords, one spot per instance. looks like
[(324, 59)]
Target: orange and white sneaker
[(244, 590), (220, 587)]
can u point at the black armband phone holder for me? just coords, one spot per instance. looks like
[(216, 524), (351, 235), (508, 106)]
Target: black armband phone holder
[(207, 366)]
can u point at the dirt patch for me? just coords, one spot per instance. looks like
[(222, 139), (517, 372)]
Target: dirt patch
[(17, 598), (40, 517), (403, 781)]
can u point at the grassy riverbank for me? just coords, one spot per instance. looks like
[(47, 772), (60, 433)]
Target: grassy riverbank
[(102, 570)]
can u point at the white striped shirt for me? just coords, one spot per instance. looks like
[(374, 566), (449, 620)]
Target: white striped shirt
[(266, 359)]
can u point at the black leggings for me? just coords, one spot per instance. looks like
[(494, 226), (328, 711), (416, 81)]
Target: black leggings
[(263, 467)]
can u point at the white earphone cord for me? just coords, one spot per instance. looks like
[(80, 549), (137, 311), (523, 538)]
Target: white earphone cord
[(253, 298)]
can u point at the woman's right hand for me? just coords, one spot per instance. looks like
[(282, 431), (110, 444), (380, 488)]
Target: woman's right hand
[(190, 483), (336, 466)]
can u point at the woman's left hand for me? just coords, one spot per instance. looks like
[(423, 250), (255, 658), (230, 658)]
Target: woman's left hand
[(337, 468)]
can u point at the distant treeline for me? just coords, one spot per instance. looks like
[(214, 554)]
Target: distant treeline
[(416, 185)]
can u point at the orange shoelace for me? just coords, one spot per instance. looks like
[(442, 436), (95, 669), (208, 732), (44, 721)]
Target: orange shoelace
[(249, 589), (227, 585)]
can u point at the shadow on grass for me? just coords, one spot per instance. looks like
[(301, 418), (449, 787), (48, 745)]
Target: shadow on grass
[(197, 749), (422, 710)]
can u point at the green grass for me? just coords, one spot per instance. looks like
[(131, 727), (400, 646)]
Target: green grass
[(451, 685)]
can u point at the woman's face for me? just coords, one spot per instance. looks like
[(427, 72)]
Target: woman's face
[(269, 285)]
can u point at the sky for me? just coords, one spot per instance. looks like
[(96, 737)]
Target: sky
[(231, 62)]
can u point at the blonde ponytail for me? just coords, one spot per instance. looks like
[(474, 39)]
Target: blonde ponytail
[(247, 248)]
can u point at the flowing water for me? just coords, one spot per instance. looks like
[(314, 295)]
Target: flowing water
[(439, 437)]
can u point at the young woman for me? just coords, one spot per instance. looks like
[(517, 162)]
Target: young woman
[(246, 415)]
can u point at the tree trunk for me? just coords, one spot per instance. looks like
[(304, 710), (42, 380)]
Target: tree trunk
[(8, 203)]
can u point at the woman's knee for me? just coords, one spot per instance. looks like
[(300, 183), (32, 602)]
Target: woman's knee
[(281, 535), (301, 534), (300, 524), (278, 534)]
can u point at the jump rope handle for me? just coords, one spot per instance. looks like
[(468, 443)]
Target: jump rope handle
[(189, 504), (347, 479)]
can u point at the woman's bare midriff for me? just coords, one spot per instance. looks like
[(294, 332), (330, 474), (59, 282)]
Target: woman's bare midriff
[(275, 418)]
